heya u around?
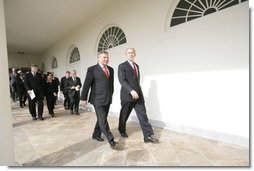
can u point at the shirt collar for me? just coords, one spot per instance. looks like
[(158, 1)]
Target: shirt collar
[(102, 66), (131, 63)]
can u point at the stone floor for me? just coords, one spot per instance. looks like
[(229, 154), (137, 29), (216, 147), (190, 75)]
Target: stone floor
[(66, 141)]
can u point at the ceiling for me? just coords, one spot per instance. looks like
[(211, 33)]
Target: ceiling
[(33, 26)]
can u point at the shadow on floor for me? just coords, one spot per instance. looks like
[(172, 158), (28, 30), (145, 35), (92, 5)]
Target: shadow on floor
[(75, 151)]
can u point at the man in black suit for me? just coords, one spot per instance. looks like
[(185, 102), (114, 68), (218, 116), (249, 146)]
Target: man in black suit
[(21, 88), (57, 83), (34, 82), (64, 90), (132, 97), (73, 85), (13, 85), (100, 78)]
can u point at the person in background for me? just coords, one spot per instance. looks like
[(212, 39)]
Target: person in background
[(132, 97), (57, 82), (50, 92), (34, 83), (13, 85), (21, 90), (64, 90), (100, 79), (73, 85)]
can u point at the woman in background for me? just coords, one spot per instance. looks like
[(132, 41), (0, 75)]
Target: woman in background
[(50, 92)]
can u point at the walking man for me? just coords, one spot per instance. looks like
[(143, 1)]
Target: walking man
[(100, 78), (132, 97)]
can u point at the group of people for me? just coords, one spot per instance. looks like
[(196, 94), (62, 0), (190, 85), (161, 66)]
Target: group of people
[(17, 88), (98, 89), (23, 85)]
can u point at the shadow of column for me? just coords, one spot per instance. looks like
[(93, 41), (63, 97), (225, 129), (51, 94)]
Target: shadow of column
[(153, 108)]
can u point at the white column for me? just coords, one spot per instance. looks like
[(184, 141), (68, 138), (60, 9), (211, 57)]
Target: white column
[(6, 136)]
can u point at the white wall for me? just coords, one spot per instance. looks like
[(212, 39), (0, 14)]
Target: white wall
[(195, 76), (17, 60)]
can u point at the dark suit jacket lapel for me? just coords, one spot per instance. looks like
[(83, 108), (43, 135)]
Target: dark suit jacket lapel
[(110, 73), (132, 70), (102, 71)]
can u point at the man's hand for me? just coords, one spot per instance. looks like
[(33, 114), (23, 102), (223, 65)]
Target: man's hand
[(77, 88), (134, 95), (29, 91), (83, 103), (73, 87)]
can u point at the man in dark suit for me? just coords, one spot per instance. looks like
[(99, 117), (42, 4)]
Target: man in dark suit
[(73, 85), (13, 85), (57, 83), (21, 88), (132, 97), (34, 82), (64, 90), (100, 78)]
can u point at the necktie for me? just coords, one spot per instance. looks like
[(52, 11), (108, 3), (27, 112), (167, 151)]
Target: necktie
[(106, 71), (74, 79), (135, 69)]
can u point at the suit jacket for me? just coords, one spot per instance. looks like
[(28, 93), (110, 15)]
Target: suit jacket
[(20, 85), (56, 80), (69, 83), (102, 88), (34, 82), (63, 85), (129, 81), (12, 79), (50, 88)]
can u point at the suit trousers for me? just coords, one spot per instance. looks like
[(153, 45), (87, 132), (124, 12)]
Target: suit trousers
[(74, 102), (22, 98), (139, 107), (39, 99), (66, 100), (102, 125), (50, 103)]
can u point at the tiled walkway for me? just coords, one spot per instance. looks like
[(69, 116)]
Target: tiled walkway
[(66, 141)]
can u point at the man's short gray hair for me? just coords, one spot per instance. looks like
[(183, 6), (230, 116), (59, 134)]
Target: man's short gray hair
[(129, 49), (102, 52)]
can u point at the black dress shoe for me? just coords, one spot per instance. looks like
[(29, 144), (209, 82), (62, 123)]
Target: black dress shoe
[(42, 119), (53, 115), (98, 138), (124, 135), (66, 108), (71, 112), (113, 144), (34, 118), (21, 106), (150, 139), (77, 113)]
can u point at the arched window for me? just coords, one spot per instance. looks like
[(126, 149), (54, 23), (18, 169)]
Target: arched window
[(75, 56), (54, 63), (187, 10), (112, 37)]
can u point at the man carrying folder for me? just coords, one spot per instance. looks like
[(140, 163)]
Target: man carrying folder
[(34, 87)]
